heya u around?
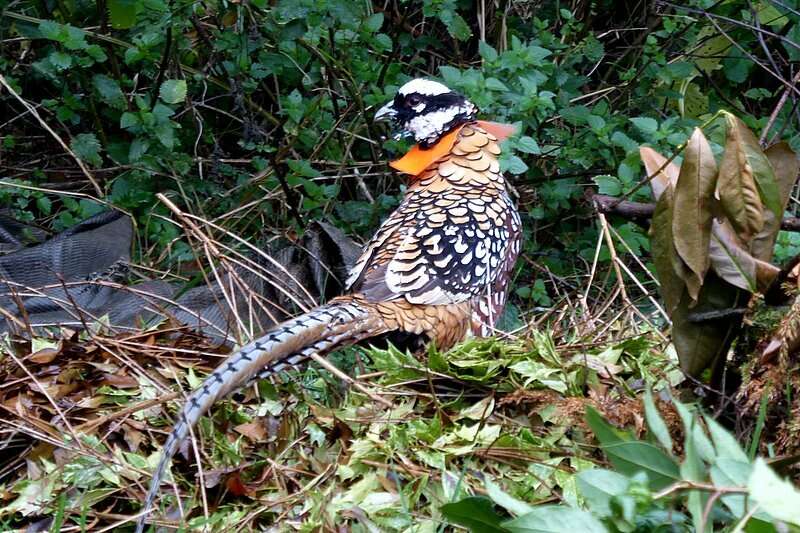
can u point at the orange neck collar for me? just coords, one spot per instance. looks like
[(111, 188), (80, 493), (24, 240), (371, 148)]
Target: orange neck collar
[(418, 159)]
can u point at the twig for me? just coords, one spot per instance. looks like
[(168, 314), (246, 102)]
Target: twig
[(614, 259), (694, 485), (611, 205), (773, 117)]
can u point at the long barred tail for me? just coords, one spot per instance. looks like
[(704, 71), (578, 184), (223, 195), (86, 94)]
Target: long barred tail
[(341, 323)]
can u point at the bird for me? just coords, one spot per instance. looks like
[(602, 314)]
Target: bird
[(437, 270)]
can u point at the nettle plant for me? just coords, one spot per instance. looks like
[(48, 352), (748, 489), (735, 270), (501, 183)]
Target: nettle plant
[(713, 235)]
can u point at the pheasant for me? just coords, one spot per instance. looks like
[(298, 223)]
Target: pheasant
[(437, 269)]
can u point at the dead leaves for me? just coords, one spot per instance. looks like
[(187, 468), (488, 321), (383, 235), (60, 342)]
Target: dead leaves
[(691, 222), (786, 165), (665, 256), (713, 232), (736, 185)]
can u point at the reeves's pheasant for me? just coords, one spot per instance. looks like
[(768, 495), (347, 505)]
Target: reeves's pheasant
[(436, 270)]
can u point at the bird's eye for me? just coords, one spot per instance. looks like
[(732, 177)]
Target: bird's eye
[(414, 100)]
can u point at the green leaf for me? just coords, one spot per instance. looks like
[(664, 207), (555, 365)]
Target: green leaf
[(122, 13), (44, 205), (692, 214), (475, 513), (451, 75), (624, 142), (494, 84), (109, 90), (770, 15), (129, 120), (605, 432), (598, 486), (727, 472), (60, 60), (636, 456), (173, 91), (487, 51), (513, 165), (374, 22), (536, 372), (166, 135), (454, 23), (555, 519), (772, 494), (87, 147), (631, 456), (595, 122), (528, 145), (607, 184), (52, 30), (785, 164), (506, 501), (725, 444), (655, 422), (692, 468), (646, 125)]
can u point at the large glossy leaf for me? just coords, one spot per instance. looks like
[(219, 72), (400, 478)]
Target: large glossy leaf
[(656, 424), (692, 469), (605, 432), (475, 513), (598, 486), (692, 428), (738, 192), (774, 495), (727, 472), (725, 444), (669, 266), (555, 519), (703, 332), (663, 173), (632, 456), (505, 500), (785, 164), (694, 193), (733, 263)]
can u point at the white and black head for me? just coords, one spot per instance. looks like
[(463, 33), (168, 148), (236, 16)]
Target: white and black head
[(427, 110)]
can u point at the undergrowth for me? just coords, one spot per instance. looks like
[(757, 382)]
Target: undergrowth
[(307, 451), (257, 116)]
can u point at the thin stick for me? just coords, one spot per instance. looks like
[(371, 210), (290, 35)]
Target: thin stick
[(774, 116), (32, 111)]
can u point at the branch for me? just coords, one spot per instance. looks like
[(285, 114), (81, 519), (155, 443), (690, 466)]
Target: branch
[(638, 211)]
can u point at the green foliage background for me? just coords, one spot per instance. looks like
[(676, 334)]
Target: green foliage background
[(268, 105), (257, 114)]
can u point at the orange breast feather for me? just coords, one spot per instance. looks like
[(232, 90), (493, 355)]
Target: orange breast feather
[(418, 159)]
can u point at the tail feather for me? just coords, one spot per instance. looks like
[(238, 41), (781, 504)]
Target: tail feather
[(321, 330)]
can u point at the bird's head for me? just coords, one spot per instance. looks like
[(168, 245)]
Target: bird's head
[(426, 110)]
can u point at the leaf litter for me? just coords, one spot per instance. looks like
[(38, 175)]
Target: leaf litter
[(85, 416)]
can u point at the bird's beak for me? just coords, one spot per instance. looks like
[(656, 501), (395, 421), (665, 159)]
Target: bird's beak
[(387, 112)]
